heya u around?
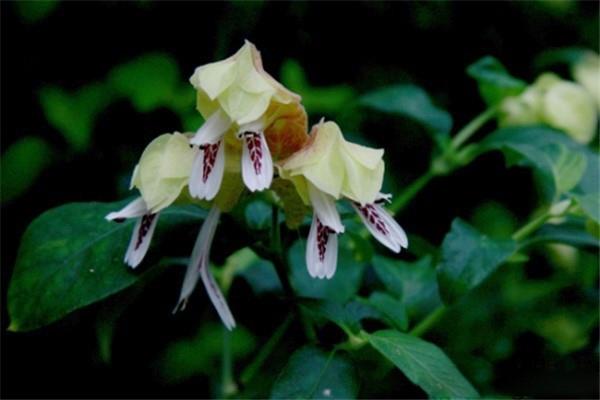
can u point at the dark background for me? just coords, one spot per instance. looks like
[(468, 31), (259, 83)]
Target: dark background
[(362, 44)]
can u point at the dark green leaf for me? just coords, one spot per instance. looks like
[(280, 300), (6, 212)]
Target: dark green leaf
[(341, 287), (392, 309), (71, 257), (312, 373), (494, 81), (413, 102), (590, 204), (34, 11), (468, 258), (424, 364), (414, 283), (346, 316), (22, 163), (563, 164), (258, 215), (572, 231), (568, 56), (261, 277)]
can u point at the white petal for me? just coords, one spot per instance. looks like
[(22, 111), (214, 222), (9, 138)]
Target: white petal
[(321, 250), (136, 208), (207, 171), (382, 226), (213, 129), (257, 164), (140, 239), (198, 268), (324, 207)]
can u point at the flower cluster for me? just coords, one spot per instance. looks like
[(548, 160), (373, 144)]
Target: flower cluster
[(255, 128)]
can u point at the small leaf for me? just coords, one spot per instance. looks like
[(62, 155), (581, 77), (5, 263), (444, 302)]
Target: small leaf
[(468, 258), (590, 204), (71, 257), (22, 163), (414, 283), (341, 287), (312, 373), (73, 114), (412, 102), (150, 81), (495, 83), (391, 308), (568, 168), (257, 214), (424, 364)]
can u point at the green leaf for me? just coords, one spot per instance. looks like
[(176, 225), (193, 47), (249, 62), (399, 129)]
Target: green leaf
[(257, 215), (347, 316), (562, 164), (495, 83), (468, 258), (414, 283), (34, 11), (22, 163), (312, 373), (554, 57), (424, 364), (71, 257), (201, 354), (341, 287), (412, 102), (590, 204), (326, 100), (393, 309), (73, 113), (149, 81), (572, 231)]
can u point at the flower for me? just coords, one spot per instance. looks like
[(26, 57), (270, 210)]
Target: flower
[(160, 176), (586, 72), (247, 112), (329, 168), (556, 102)]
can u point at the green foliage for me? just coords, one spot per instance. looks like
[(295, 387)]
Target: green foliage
[(347, 316), (468, 257), (22, 163), (312, 373), (494, 81), (424, 364), (71, 257), (327, 100), (339, 288), (200, 354), (393, 310), (73, 113), (35, 11), (412, 102)]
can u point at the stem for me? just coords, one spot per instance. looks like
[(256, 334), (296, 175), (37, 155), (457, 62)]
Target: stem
[(531, 226), (469, 130), (228, 386), (428, 322), (266, 350), (410, 192)]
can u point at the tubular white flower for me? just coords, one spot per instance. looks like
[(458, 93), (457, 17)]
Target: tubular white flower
[(257, 164), (198, 268), (136, 208), (140, 239), (382, 225), (207, 170), (213, 129), (324, 208)]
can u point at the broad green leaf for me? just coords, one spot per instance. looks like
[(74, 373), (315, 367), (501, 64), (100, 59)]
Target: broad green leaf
[(327, 100), (571, 231), (261, 277), (341, 287), (412, 102), (201, 354), (494, 81), (468, 257), (74, 113), (346, 316), (312, 373), (414, 283), (562, 164), (391, 308), (70, 257), (424, 364), (149, 81), (494, 219), (590, 204), (22, 163)]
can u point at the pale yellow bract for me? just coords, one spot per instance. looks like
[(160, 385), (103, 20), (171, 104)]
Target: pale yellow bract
[(335, 166), (239, 86), (163, 170)]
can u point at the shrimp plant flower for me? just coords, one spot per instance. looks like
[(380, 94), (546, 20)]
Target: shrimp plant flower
[(329, 168)]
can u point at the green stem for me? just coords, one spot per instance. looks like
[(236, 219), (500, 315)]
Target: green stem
[(428, 322), (531, 226), (410, 192), (251, 370), (471, 128), (228, 386)]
